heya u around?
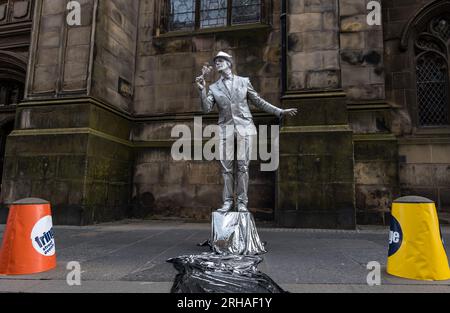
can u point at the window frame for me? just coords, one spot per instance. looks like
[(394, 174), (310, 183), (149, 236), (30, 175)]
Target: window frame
[(162, 19), (414, 57)]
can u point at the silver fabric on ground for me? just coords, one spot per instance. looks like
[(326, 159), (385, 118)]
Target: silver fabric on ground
[(211, 273), (235, 233)]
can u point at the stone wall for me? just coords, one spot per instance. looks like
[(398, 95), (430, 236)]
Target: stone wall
[(15, 27), (331, 46), (71, 141), (313, 45), (75, 155), (423, 153), (165, 95), (168, 64), (316, 177), (115, 52), (15, 38), (425, 170), (60, 54), (163, 187), (361, 53), (399, 63), (376, 177)]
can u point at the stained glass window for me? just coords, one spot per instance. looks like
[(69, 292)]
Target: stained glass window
[(213, 13), (246, 11), (182, 14), (432, 73), (201, 14)]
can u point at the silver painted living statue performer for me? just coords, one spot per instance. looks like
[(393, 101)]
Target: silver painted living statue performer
[(231, 94), (234, 232)]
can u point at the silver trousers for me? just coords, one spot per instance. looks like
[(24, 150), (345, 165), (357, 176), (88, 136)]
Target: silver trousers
[(227, 159)]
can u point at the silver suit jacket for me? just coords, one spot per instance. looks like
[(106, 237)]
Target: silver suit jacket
[(233, 106)]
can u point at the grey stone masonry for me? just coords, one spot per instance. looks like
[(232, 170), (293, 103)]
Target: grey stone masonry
[(361, 54), (313, 45), (87, 59), (60, 54), (332, 46)]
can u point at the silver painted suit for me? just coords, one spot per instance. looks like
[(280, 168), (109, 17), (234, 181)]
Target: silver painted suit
[(235, 121)]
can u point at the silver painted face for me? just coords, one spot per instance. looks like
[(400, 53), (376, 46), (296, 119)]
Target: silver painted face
[(221, 65)]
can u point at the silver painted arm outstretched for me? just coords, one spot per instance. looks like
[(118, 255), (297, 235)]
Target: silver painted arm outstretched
[(260, 103)]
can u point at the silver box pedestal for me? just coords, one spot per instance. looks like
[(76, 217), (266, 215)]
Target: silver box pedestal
[(235, 233)]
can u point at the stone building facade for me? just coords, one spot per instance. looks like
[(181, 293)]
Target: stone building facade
[(87, 111)]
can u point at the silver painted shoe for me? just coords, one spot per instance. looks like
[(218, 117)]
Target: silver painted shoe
[(242, 208), (227, 207)]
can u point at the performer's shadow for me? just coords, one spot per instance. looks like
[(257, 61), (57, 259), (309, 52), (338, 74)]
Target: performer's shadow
[(232, 264)]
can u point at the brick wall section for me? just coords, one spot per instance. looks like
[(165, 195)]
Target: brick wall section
[(425, 171), (376, 178), (361, 53), (60, 51), (47, 49), (313, 45), (84, 174), (166, 188), (332, 46), (188, 189), (84, 188), (77, 50), (115, 58), (65, 52)]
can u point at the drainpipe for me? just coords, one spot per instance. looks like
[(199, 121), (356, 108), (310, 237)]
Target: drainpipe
[(283, 18)]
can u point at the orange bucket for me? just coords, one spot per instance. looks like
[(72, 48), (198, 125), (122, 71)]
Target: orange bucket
[(28, 242)]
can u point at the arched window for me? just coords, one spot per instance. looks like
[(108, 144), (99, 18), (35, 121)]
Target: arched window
[(432, 50)]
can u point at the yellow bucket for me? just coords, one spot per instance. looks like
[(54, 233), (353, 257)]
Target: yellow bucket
[(416, 249)]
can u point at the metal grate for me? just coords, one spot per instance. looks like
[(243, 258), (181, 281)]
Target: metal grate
[(432, 90), (246, 11), (213, 13), (182, 14)]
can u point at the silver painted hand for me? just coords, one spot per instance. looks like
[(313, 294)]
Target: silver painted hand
[(201, 83), (290, 112)]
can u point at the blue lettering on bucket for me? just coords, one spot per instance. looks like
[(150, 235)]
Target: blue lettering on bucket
[(45, 241), (395, 236)]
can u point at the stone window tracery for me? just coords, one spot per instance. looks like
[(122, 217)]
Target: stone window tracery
[(432, 53)]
